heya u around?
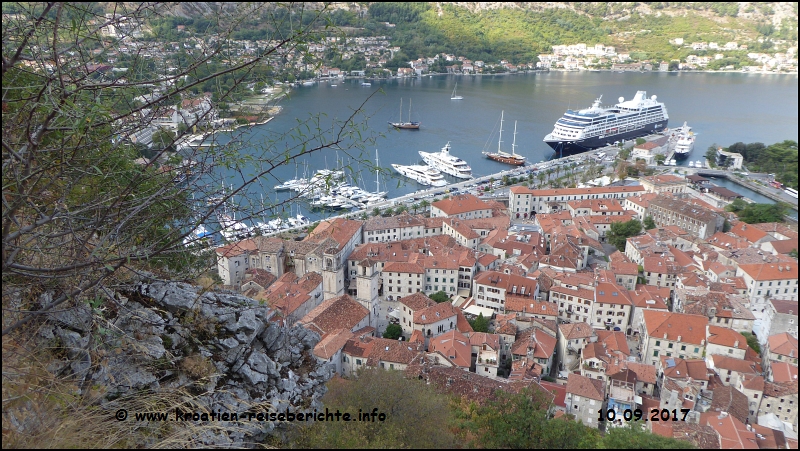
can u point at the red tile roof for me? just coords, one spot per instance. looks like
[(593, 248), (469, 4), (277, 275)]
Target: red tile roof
[(341, 312), (463, 203), (586, 387), (726, 337), (783, 344), (340, 229), (331, 343), (675, 326), (783, 372), (417, 301), (733, 434), (434, 313), (454, 346), (748, 232), (530, 306), (560, 392), (771, 271), (734, 364), (575, 331)]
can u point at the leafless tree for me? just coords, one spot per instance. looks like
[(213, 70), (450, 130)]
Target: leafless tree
[(82, 209)]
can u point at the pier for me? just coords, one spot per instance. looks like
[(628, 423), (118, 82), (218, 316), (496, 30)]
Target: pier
[(747, 184)]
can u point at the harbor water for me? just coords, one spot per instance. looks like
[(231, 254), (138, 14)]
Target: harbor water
[(721, 108)]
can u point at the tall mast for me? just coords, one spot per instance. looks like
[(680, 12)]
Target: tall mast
[(409, 111), (377, 174), (514, 143), (401, 119), (500, 138)]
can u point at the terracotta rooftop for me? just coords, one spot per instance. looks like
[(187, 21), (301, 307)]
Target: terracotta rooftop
[(530, 306), (777, 389), (611, 293), (393, 351), (683, 207), (454, 346), (728, 399), (677, 368), (474, 387), (575, 331), (732, 433), (393, 222), (748, 232), (237, 248), (534, 342), (417, 301), (480, 338), (726, 337), (624, 268), (783, 344), (701, 436), (586, 387), (576, 191), (341, 312), (508, 282), (331, 343), (560, 392), (434, 313), (783, 372), (784, 246), (771, 271), (734, 364), (459, 204), (644, 373), (675, 326), (340, 229), (614, 341)]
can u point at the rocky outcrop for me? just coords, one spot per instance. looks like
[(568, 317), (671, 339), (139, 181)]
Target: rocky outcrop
[(219, 346)]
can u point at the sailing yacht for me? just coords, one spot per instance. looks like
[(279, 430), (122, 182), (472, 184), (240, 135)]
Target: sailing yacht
[(454, 96), (410, 125), (505, 157)]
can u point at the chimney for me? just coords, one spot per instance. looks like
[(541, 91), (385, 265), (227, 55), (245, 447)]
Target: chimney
[(679, 338), (736, 344)]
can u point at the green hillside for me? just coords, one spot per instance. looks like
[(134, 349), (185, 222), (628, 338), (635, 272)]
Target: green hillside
[(519, 34)]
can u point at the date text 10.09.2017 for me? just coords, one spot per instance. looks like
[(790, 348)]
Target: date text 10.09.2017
[(637, 415)]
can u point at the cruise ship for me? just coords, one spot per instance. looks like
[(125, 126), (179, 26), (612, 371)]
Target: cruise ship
[(424, 175), (590, 128), (446, 163), (684, 141)]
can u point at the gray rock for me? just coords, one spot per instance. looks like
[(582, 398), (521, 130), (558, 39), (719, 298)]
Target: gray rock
[(262, 363), (77, 318), (73, 342), (230, 343)]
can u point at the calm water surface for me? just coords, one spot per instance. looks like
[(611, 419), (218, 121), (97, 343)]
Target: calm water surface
[(721, 108)]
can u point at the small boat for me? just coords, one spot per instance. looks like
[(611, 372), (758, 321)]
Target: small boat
[(410, 125), (366, 83), (698, 164), (334, 85), (691, 164), (454, 96)]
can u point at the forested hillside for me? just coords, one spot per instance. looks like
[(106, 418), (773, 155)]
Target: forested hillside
[(518, 32)]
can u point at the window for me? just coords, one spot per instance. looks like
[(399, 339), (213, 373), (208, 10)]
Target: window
[(658, 342), (655, 353), (683, 347)]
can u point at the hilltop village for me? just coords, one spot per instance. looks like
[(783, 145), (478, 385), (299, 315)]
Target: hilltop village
[(671, 324)]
